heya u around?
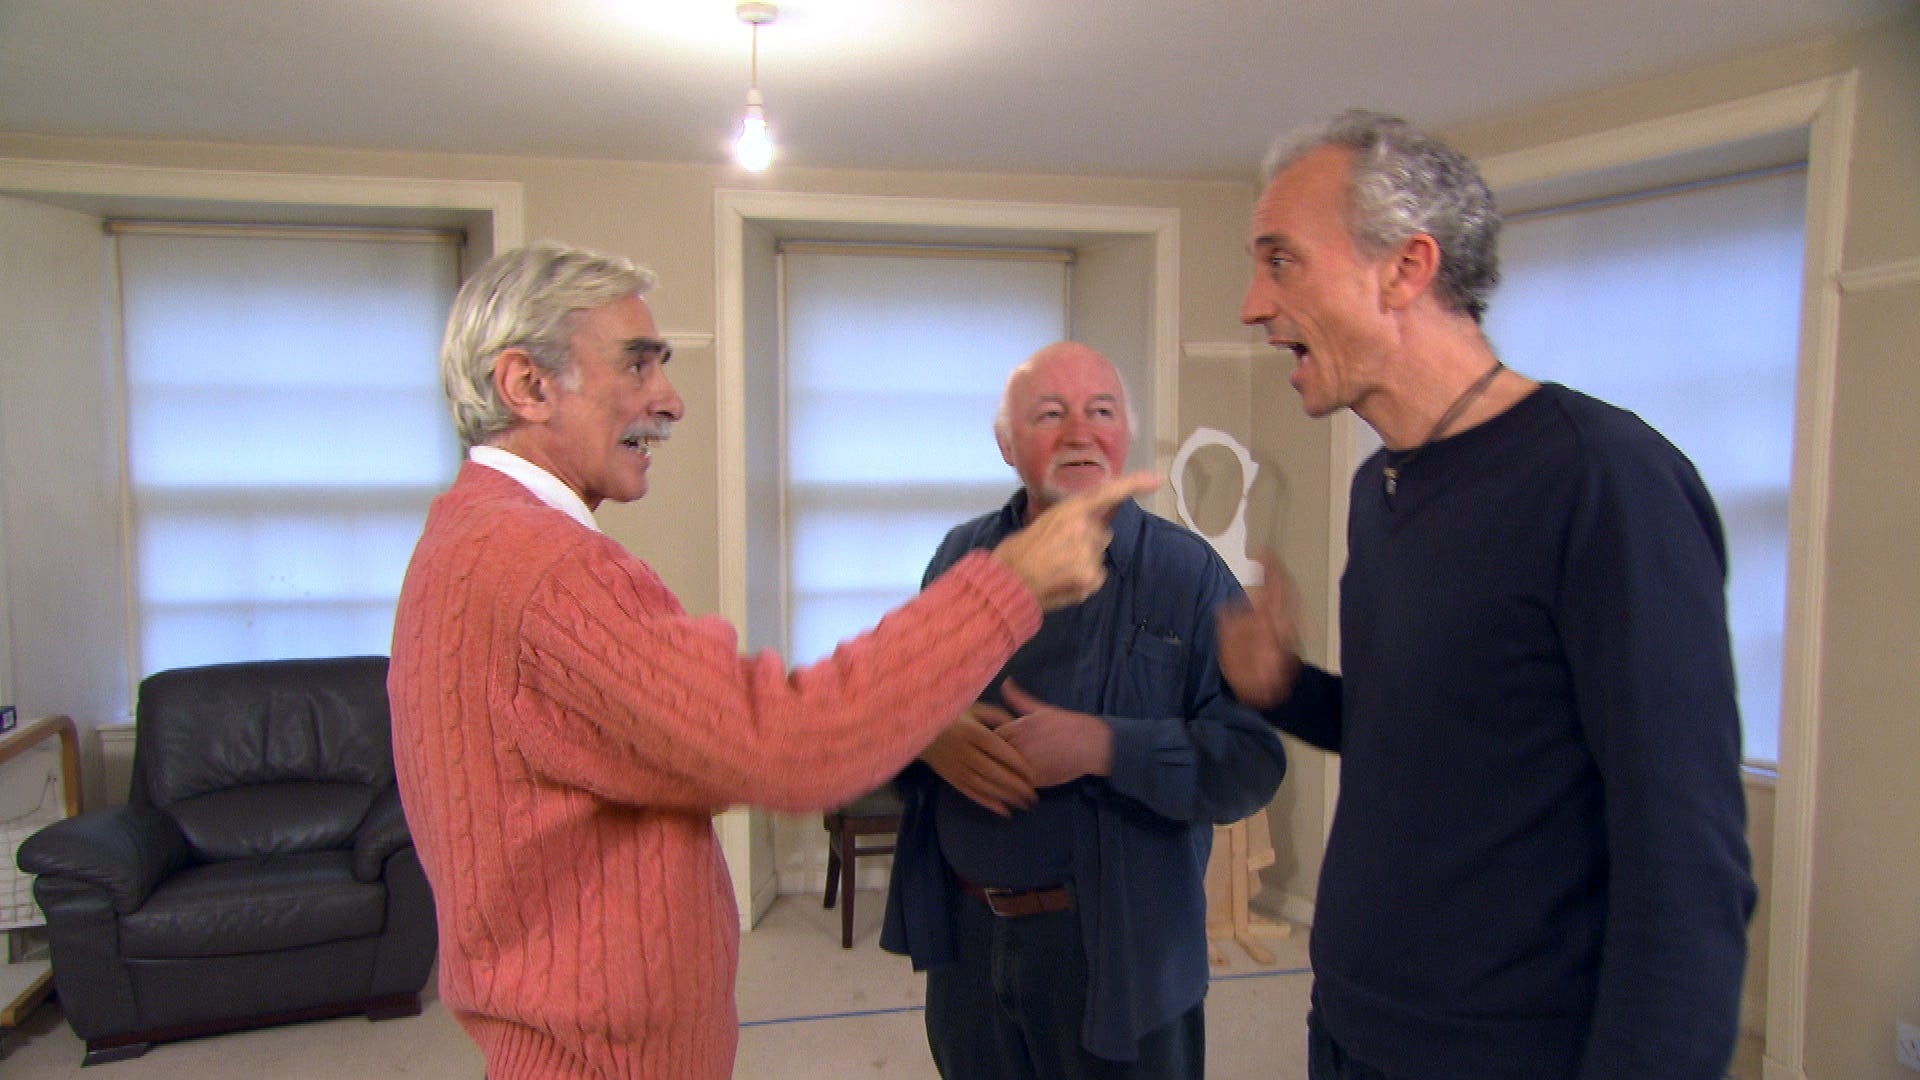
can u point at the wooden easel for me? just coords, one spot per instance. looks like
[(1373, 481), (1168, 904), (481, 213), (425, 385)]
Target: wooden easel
[(1230, 887)]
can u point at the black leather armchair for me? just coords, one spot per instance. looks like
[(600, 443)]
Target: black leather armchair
[(260, 872)]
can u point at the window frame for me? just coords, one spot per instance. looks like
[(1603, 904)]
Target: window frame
[(492, 213), (148, 506), (797, 496)]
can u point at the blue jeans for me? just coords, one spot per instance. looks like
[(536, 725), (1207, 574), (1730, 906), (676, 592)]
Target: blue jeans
[(1010, 1006)]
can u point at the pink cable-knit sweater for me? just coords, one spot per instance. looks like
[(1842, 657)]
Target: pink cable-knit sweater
[(564, 732)]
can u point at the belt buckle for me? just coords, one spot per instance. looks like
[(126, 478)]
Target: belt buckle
[(1011, 903), (993, 897)]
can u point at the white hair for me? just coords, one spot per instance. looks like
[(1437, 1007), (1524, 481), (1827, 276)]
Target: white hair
[(526, 298)]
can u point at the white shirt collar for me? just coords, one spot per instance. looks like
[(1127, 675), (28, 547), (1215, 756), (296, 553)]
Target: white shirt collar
[(545, 486)]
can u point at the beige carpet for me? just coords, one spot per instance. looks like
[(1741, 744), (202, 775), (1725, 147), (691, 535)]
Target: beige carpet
[(808, 1009)]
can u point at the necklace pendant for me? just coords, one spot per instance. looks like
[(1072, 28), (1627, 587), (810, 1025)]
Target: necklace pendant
[(1393, 479)]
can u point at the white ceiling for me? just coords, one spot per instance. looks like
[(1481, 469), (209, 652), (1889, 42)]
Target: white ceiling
[(1158, 88)]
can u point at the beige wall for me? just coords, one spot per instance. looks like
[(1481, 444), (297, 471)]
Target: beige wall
[(60, 469)]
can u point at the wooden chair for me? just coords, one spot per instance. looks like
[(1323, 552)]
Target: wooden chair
[(876, 813)]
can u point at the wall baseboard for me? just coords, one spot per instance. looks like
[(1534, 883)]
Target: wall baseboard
[(764, 893), (1297, 910), (1773, 1070)]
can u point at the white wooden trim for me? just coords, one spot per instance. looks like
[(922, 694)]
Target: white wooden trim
[(1220, 352), (1763, 114), (734, 208), (1893, 275), (503, 200), (945, 213), (1759, 784), (1829, 154), (129, 570), (1823, 109), (731, 214), (1163, 225)]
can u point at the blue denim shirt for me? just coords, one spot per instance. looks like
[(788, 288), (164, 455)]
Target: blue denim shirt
[(1186, 756)]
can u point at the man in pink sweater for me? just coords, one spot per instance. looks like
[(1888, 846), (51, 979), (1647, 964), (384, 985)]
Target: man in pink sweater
[(564, 730)]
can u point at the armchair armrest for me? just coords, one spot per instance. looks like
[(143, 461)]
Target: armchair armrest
[(382, 833), (125, 850)]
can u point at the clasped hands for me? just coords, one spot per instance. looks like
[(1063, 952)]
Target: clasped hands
[(1001, 757)]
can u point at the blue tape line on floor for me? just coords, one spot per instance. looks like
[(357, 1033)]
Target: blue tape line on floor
[(833, 1016), (922, 1008), (1263, 974)]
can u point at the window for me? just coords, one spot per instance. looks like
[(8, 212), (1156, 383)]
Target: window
[(1683, 305), (285, 433), (895, 359)]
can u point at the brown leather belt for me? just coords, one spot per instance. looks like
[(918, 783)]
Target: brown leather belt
[(1011, 903)]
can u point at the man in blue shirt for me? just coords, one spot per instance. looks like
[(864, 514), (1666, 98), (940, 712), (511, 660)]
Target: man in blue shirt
[(1049, 874)]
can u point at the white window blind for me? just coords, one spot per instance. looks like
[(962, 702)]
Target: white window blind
[(285, 433), (895, 360), (1684, 306)]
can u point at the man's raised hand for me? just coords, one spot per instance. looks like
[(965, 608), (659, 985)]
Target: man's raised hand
[(1259, 641)]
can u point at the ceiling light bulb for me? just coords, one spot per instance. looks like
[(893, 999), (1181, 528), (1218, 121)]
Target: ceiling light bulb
[(753, 148)]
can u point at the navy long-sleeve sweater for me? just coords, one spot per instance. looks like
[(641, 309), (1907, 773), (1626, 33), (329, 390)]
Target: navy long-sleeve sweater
[(1538, 865)]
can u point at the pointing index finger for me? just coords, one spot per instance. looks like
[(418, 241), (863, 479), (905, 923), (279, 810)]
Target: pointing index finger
[(1111, 492)]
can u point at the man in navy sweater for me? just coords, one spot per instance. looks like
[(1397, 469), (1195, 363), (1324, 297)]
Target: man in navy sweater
[(1538, 865)]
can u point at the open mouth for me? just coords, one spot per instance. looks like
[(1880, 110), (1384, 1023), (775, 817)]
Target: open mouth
[(1080, 463), (642, 442)]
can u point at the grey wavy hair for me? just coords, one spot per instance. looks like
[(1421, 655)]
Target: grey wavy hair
[(524, 298), (1404, 182)]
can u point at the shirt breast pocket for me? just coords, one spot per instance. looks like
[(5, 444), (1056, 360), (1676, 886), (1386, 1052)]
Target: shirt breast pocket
[(1156, 672)]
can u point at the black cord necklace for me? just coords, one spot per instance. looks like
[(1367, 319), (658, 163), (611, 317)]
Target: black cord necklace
[(1453, 412)]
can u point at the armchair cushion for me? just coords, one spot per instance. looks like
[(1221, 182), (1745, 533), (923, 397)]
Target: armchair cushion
[(124, 850), (382, 833), (267, 904), (237, 725), (272, 819)]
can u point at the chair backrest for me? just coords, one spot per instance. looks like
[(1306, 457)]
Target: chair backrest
[(264, 757)]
